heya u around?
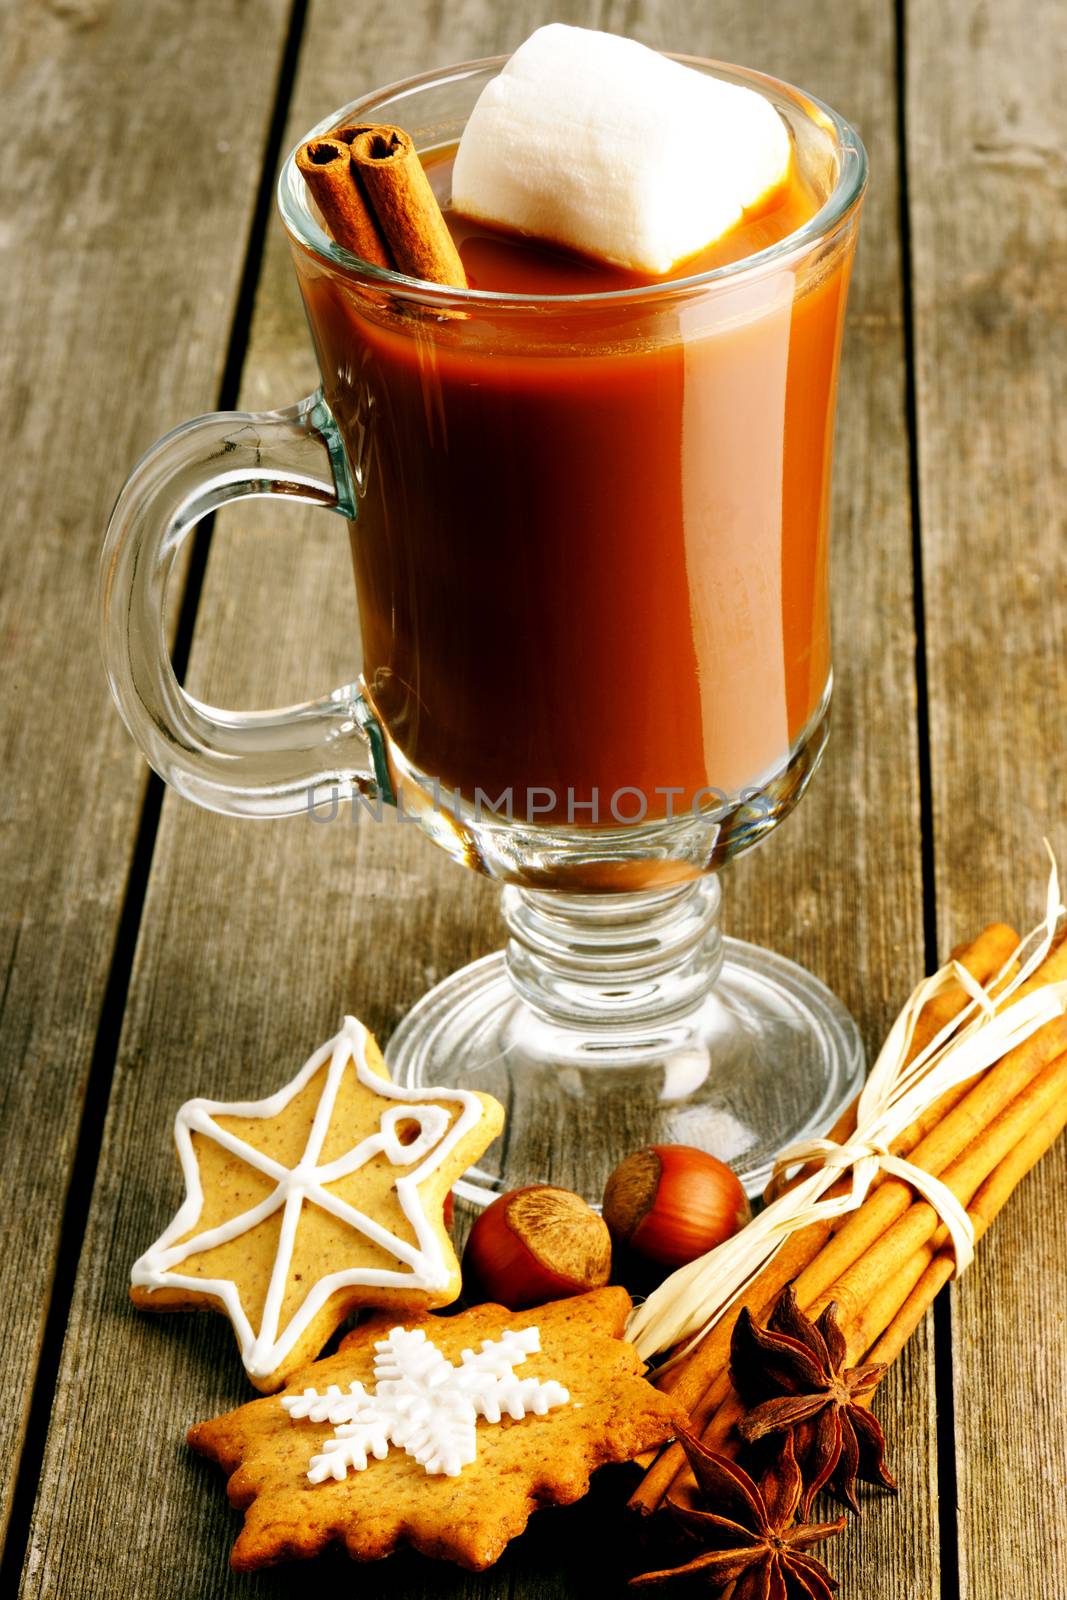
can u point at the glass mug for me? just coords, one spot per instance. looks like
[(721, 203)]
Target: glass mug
[(589, 535)]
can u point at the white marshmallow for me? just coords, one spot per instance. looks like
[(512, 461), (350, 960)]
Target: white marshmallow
[(597, 143)]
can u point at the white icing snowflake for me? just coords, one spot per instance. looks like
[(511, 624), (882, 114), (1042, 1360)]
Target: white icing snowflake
[(424, 1404)]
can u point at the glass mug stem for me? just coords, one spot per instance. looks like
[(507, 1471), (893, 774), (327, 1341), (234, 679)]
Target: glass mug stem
[(614, 966), (262, 763)]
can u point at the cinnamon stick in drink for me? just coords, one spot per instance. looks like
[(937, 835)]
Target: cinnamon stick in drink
[(326, 167), (377, 201), (388, 168)]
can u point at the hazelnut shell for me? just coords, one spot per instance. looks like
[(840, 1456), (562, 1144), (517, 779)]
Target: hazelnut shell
[(536, 1244)]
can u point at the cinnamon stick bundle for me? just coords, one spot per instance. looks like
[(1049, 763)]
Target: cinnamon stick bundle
[(1047, 1124), (878, 1262), (983, 959), (987, 1203), (701, 1382), (991, 1168)]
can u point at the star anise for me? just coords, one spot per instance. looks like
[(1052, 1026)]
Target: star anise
[(792, 1375), (749, 1539)]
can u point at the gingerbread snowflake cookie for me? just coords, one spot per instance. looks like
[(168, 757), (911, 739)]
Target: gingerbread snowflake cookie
[(326, 1196), (444, 1433)]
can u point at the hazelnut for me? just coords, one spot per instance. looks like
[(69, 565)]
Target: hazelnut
[(536, 1244), (671, 1203)]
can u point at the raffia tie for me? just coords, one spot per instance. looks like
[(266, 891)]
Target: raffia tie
[(689, 1303)]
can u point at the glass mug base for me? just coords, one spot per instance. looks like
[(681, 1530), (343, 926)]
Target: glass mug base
[(635, 855), (767, 1054), (619, 1015)]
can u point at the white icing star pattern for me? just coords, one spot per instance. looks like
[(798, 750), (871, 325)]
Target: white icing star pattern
[(421, 1265), (424, 1404)]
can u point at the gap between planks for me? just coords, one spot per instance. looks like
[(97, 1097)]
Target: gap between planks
[(944, 1393)]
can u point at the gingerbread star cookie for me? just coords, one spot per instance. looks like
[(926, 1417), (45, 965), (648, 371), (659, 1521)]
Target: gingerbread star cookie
[(326, 1196), (426, 1434)]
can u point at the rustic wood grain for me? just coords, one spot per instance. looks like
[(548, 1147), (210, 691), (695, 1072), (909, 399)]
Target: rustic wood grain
[(124, 196), (987, 179), (256, 936), (839, 886)]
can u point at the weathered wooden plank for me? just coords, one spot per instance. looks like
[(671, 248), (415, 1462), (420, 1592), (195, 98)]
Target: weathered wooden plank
[(839, 888), (125, 204), (986, 179), (256, 937)]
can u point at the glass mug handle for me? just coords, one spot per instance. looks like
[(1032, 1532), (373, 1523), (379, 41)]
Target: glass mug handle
[(249, 763)]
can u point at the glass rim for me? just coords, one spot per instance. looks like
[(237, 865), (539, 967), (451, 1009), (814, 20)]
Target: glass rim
[(836, 209)]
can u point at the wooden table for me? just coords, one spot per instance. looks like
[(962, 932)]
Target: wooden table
[(151, 951)]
